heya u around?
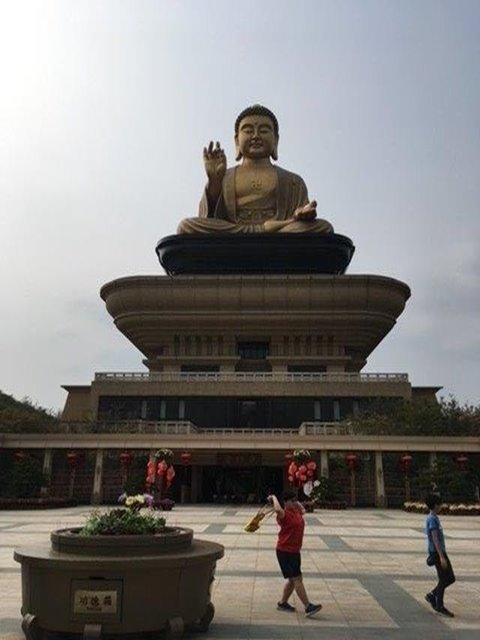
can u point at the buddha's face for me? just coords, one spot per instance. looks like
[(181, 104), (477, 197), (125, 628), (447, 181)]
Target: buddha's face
[(256, 138)]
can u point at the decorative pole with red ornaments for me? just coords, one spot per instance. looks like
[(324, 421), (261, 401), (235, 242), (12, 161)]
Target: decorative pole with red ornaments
[(160, 473), (186, 458), (126, 458), (351, 460), (72, 459), (405, 462), (301, 468)]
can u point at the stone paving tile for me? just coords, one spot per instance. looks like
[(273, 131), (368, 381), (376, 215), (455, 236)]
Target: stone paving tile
[(367, 568), (462, 599)]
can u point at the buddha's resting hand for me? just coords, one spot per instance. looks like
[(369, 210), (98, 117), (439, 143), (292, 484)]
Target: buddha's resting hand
[(215, 162), (307, 212)]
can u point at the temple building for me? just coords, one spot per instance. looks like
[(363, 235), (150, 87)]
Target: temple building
[(243, 368), (253, 344)]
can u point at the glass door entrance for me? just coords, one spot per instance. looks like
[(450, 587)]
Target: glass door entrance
[(240, 485)]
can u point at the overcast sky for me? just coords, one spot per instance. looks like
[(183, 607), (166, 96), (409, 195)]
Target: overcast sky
[(105, 107)]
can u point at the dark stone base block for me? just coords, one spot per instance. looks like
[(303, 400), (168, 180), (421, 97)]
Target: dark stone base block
[(254, 253)]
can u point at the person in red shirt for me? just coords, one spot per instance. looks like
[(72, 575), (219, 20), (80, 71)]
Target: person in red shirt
[(290, 538)]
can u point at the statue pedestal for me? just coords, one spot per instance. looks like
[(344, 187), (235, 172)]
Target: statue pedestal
[(255, 253), (198, 319)]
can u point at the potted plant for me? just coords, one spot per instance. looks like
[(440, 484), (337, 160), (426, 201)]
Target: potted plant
[(123, 572)]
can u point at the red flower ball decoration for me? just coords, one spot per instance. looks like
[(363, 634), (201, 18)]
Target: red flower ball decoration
[(151, 468), (162, 468), (170, 475)]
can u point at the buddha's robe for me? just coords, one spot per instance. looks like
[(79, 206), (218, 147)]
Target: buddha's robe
[(249, 213)]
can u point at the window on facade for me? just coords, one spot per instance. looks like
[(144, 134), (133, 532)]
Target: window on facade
[(163, 410), (199, 368), (336, 410), (306, 368), (253, 350), (181, 409), (251, 414)]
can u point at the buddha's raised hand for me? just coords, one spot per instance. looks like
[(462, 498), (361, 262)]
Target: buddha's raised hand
[(215, 161), (307, 212)]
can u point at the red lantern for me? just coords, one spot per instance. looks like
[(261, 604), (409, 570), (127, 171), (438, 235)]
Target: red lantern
[(303, 469), (351, 459), (292, 468), (151, 468), (311, 465), (406, 461), (291, 479), (288, 458), (72, 459), (126, 458), (462, 461), (186, 457), (170, 475), (20, 456)]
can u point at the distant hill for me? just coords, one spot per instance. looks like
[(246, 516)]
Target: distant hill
[(18, 412)]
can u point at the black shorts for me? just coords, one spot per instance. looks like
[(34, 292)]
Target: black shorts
[(290, 563)]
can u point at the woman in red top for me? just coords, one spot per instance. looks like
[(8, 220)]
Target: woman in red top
[(290, 538)]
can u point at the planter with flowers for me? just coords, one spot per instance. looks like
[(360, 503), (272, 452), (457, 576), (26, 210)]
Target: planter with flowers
[(452, 509), (124, 572)]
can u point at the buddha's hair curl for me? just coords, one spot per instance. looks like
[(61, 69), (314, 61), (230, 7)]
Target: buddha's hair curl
[(257, 110)]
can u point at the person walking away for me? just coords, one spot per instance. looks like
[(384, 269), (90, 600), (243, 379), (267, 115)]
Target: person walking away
[(290, 538), (437, 556)]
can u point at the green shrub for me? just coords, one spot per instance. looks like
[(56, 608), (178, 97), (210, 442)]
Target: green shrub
[(25, 479), (121, 522)]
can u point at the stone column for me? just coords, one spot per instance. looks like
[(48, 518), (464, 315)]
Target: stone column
[(47, 472), (380, 499), (98, 478), (324, 463)]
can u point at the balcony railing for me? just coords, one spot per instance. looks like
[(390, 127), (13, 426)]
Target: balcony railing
[(325, 429), (182, 428), (216, 376), (165, 427)]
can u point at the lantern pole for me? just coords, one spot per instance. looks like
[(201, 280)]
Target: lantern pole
[(406, 461), (353, 489), (351, 460)]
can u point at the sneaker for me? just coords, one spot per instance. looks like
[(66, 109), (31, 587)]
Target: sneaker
[(443, 611), (312, 609), (285, 606), (432, 601)]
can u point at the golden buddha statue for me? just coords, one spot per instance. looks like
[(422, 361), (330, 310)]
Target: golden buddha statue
[(255, 196)]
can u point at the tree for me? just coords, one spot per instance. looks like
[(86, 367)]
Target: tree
[(415, 417)]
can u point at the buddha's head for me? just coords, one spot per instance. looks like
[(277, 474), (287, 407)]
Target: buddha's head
[(256, 133)]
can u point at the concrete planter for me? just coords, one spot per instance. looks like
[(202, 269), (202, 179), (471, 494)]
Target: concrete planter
[(120, 586)]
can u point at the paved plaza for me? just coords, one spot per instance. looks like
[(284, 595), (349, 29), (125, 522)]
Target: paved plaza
[(367, 568)]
